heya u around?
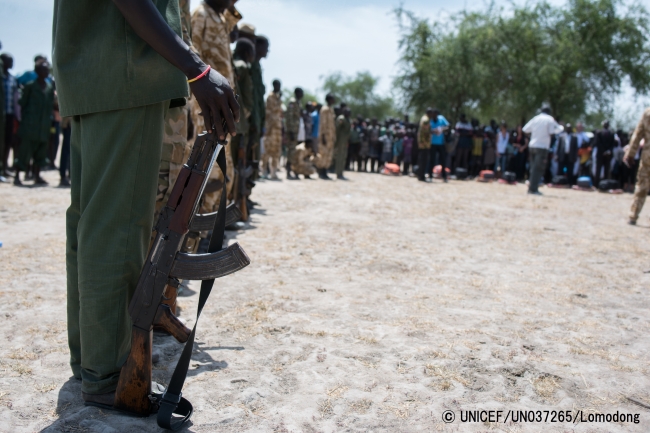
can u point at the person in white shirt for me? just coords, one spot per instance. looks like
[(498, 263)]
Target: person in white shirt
[(503, 140), (540, 128)]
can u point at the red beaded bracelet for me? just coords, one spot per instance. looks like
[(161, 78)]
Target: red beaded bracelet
[(203, 74)]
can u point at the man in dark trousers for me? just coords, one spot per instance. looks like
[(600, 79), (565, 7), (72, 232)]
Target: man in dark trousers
[(119, 66), (37, 103), (567, 153), (605, 144)]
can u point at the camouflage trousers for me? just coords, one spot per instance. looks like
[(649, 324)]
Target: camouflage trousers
[(211, 201), (642, 186), (175, 152), (291, 149), (272, 150), (325, 154)]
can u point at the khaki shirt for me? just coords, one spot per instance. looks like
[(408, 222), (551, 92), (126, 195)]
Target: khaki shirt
[(327, 127), (424, 135), (211, 38), (100, 64), (642, 131), (274, 112)]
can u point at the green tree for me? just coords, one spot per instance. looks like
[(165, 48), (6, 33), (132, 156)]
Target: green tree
[(507, 65), (359, 92)]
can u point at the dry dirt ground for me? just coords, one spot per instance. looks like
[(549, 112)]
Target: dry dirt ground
[(372, 305)]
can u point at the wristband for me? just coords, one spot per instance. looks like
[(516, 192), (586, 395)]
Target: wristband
[(203, 74)]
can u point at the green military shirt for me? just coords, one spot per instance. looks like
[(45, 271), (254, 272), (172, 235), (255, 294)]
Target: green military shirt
[(246, 97), (36, 111), (100, 64), (259, 90), (342, 131)]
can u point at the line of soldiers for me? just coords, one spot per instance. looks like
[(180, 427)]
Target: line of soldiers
[(209, 31), (312, 146)]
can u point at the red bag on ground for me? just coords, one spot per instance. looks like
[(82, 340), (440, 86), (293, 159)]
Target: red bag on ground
[(391, 169), (437, 171), (486, 175)]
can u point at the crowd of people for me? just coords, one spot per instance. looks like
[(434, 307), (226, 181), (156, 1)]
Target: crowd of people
[(463, 150)]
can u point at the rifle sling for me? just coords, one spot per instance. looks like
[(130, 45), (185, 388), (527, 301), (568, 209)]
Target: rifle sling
[(172, 402)]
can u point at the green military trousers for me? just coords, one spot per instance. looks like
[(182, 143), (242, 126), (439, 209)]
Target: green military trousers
[(115, 156), (341, 151)]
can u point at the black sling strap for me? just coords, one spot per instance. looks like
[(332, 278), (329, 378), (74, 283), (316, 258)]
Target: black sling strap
[(172, 402)]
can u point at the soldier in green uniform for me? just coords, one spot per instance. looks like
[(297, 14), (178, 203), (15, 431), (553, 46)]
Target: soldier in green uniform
[(37, 103), (342, 140), (118, 65), (243, 57), (292, 125), (258, 115)]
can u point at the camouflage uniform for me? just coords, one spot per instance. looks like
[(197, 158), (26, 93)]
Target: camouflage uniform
[(424, 145), (273, 135), (302, 161), (642, 132), (176, 148), (292, 124), (258, 116), (326, 138), (343, 127), (211, 38)]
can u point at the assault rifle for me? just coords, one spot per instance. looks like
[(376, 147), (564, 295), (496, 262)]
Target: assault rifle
[(164, 267)]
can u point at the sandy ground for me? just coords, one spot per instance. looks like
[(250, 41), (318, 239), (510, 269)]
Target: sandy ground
[(372, 305)]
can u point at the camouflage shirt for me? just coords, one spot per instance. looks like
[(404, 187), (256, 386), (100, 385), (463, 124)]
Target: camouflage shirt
[(327, 127), (642, 131), (211, 38), (274, 112), (292, 117), (424, 134)]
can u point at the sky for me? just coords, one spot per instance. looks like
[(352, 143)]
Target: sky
[(309, 38)]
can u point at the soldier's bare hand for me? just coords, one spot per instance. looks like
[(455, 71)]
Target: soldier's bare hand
[(217, 101)]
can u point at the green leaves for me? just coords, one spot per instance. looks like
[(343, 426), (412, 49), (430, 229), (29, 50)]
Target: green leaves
[(507, 64), (359, 92)]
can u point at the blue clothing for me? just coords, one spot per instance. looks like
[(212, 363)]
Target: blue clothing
[(438, 139), (10, 88), (315, 118), (29, 76), (398, 148)]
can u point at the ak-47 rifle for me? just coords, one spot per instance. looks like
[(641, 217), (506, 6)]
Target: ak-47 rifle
[(164, 267)]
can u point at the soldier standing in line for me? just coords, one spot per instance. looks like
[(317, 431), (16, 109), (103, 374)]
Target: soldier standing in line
[(326, 137), (244, 56), (176, 148), (258, 116), (424, 143), (342, 140), (292, 125), (116, 143), (642, 132), (211, 24), (273, 134)]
